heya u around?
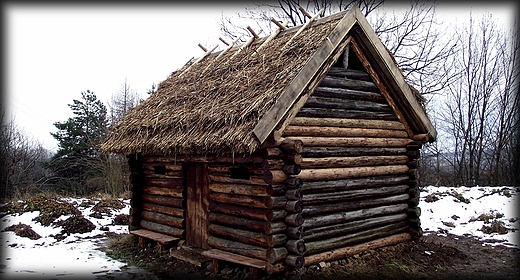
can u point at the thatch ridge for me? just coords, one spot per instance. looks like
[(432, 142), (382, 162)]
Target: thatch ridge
[(213, 107)]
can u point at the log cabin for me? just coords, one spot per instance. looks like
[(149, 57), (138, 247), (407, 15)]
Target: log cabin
[(282, 152)]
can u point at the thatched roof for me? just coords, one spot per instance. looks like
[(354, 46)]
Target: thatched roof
[(215, 105)]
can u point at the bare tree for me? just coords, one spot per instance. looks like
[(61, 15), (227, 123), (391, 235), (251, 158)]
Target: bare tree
[(23, 172), (122, 102), (479, 103)]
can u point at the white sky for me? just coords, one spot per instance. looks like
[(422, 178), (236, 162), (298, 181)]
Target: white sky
[(54, 52)]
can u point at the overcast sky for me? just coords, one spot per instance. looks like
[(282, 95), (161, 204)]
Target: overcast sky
[(54, 52)]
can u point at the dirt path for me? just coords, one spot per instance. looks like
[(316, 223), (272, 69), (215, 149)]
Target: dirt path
[(430, 257)]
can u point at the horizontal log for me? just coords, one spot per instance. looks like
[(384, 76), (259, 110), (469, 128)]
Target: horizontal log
[(168, 230), (276, 254), (336, 82), (293, 183), (176, 212), (349, 73), (296, 246), (295, 261), (343, 217), (276, 190), (352, 123), (291, 146), (310, 199), (248, 212), (170, 183), (295, 232), (414, 212), (353, 141), (247, 224), (292, 158), (335, 230), (178, 193), (348, 184), (247, 237), (346, 114), (328, 162), (350, 172), (262, 202), (349, 94), (291, 169), (163, 219), (270, 153), (238, 248), (332, 131), (268, 164), (274, 177), (226, 179), (310, 152), (164, 200), (294, 206), (294, 219), (342, 103), (320, 209), (353, 238), (343, 252), (242, 189), (293, 194)]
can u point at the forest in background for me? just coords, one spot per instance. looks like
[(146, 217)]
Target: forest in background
[(468, 75)]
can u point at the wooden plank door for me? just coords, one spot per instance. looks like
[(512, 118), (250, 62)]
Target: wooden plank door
[(197, 205)]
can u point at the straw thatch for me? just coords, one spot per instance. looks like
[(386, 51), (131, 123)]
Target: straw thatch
[(215, 104)]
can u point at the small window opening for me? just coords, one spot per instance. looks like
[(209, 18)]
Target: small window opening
[(240, 173), (159, 169)]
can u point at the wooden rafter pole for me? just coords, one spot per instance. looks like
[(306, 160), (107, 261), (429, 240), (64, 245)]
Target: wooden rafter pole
[(208, 52), (303, 28), (281, 27), (246, 44)]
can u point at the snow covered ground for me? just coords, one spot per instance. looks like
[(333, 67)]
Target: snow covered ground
[(460, 211)]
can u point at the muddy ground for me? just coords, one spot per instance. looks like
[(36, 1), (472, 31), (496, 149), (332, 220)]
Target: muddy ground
[(429, 257)]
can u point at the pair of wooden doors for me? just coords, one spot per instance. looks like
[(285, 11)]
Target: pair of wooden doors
[(197, 204)]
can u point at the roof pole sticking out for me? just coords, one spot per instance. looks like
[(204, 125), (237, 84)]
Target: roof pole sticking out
[(281, 27), (208, 52), (304, 12), (246, 44), (222, 52), (303, 27)]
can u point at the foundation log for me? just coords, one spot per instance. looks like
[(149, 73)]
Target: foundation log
[(356, 249), (295, 261), (330, 231), (238, 248), (358, 237)]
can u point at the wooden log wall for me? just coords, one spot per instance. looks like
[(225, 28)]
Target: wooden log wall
[(247, 215), (281, 167), (357, 168), (158, 195), (414, 212)]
